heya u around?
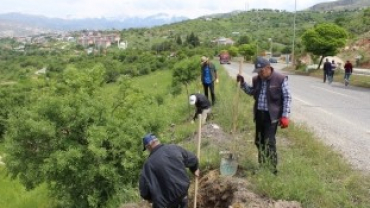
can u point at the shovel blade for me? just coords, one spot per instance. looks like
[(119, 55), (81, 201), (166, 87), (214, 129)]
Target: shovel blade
[(228, 166)]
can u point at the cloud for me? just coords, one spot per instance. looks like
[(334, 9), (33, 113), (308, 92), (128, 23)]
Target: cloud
[(113, 8)]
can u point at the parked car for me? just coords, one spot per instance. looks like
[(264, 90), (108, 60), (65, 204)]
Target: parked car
[(273, 60)]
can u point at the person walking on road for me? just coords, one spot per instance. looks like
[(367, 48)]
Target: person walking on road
[(326, 69), (208, 77), (348, 68), (332, 71), (271, 108), (202, 106), (164, 181)]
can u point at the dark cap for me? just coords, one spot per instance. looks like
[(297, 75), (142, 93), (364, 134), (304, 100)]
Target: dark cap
[(147, 139), (260, 63)]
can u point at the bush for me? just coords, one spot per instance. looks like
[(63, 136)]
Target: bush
[(78, 140)]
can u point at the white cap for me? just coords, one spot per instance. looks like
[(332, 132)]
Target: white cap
[(192, 99)]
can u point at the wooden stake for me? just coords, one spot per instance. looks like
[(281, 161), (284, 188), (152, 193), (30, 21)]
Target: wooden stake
[(198, 155), (236, 100)]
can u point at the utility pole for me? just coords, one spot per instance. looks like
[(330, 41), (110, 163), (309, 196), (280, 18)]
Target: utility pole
[(293, 51), (258, 21), (270, 40)]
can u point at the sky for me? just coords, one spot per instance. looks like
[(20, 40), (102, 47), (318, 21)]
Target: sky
[(142, 8)]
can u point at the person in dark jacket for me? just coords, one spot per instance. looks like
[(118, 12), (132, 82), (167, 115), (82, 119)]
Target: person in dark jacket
[(348, 68), (327, 69), (271, 108), (164, 181), (202, 106), (208, 77)]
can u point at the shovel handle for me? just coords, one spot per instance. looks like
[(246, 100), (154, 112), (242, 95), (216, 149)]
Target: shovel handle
[(198, 155)]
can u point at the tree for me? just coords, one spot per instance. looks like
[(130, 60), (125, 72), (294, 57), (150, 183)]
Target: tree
[(247, 50), (286, 50), (192, 40), (82, 143), (178, 40), (324, 40), (233, 51), (245, 39), (366, 16), (341, 21), (185, 72)]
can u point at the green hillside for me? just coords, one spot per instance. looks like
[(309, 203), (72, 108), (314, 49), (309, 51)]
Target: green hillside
[(258, 25)]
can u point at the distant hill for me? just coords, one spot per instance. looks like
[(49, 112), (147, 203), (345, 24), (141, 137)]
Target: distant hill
[(12, 23), (341, 5)]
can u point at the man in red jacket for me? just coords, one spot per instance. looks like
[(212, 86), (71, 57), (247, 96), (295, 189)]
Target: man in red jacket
[(271, 108), (347, 71)]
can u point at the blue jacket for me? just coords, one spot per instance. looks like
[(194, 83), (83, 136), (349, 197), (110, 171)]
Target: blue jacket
[(212, 69), (163, 179)]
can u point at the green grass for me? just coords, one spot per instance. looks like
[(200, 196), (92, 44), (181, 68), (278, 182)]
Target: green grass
[(14, 195)]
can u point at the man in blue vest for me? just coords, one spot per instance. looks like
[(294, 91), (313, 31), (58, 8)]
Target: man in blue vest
[(271, 108), (208, 77)]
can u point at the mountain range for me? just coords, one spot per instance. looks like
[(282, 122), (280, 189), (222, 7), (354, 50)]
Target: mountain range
[(18, 24), (340, 5)]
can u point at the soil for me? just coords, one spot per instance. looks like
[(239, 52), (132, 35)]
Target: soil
[(215, 191)]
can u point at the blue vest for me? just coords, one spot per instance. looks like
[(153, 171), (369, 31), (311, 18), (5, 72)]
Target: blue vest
[(207, 75)]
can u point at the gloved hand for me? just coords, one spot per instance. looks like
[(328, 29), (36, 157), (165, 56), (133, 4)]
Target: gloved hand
[(284, 122), (217, 80), (192, 121), (240, 79)]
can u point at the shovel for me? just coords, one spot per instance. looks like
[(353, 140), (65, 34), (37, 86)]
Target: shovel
[(228, 164), (198, 155)]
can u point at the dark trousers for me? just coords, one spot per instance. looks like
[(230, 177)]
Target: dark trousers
[(265, 139), (325, 75), (182, 203), (212, 89)]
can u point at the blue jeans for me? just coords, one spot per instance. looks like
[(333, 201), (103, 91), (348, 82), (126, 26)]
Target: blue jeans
[(330, 76), (347, 75)]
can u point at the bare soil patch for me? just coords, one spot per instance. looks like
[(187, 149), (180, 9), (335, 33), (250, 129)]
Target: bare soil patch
[(216, 191)]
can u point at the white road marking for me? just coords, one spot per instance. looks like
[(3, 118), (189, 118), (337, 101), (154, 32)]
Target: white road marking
[(305, 102), (348, 122), (331, 91)]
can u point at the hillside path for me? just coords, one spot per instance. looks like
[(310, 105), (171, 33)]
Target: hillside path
[(338, 115)]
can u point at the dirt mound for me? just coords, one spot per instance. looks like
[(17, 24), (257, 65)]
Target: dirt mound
[(215, 191), (214, 132), (232, 192)]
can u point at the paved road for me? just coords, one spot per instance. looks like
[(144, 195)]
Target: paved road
[(339, 116)]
